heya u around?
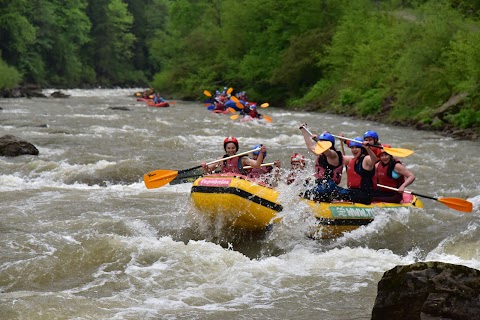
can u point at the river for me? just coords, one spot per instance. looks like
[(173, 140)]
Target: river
[(82, 238)]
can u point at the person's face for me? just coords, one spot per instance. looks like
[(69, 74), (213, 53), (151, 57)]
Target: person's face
[(370, 140), (231, 148), (356, 151), (297, 165), (384, 157)]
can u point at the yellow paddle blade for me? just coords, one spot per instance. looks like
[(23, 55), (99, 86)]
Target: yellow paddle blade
[(322, 146), (398, 152), (229, 91), (234, 117), (151, 96), (138, 94), (237, 102), (158, 178), (264, 105), (267, 118), (457, 204), (232, 110), (207, 93)]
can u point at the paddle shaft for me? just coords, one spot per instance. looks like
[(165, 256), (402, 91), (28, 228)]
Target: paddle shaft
[(406, 191), (311, 134), (343, 138), (262, 165)]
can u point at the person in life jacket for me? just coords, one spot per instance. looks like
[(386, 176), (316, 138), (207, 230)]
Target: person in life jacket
[(266, 174), (236, 164), (297, 167), (361, 179), (254, 113), (392, 173), (328, 168), (219, 105), (371, 137)]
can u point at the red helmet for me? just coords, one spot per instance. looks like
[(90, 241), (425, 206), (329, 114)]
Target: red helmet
[(297, 157), (385, 146), (230, 139)]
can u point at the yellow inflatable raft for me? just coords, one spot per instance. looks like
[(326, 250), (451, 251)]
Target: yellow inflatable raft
[(240, 202)]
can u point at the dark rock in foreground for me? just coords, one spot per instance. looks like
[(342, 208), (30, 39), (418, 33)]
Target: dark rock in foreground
[(428, 290), (12, 146), (59, 94)]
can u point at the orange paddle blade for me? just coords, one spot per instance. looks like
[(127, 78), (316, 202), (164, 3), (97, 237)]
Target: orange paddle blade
[(232, 110), (158, 178), (172, 102), (237, 102), (207, 93), (234, 117), (322, 146), (264, 105), (229, 91), (267, 118), (457, 204), (398, 152)]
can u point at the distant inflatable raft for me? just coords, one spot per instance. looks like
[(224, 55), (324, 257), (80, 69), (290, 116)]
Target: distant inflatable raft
[(242, 203)]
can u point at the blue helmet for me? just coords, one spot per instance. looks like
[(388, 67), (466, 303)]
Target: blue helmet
[(370, 134), (357, 142), (326, 136), (258, 151)]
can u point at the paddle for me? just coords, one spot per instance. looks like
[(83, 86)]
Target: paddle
[(264, 105), (321, 146), (396, 152), (229, 91), (207, 93), (267, 118), (159, 178), (262, 165), (237, 102), (232, 110), (234, 117), (454, 203)]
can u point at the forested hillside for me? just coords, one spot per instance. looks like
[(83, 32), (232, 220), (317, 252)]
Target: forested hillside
[(406, 61)]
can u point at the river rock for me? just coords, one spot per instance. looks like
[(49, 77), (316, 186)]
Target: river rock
[(428, 290), (59, 94), (12, 146)]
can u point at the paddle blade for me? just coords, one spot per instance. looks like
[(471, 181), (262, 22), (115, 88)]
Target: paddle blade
[(267, 118), (264, 105), (229, 91), (234, 117), (457, 204), (172, 102), (237, 102), (322, 146), (232, 110), (158, 178), (207, 93), (398, 152)]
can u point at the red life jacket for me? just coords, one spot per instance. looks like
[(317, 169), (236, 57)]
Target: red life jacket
[(324, 170), (233, 165), (384, 174), (219, 106), (253, 113), (359, 178), (256, 173)]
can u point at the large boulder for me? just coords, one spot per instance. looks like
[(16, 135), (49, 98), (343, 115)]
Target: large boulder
[(12, 146), (428, 290)]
